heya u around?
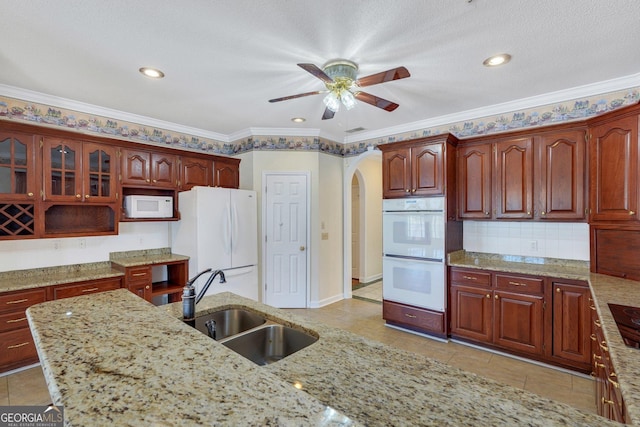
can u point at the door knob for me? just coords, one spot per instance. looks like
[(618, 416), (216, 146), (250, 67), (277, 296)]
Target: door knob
[(301, 248)]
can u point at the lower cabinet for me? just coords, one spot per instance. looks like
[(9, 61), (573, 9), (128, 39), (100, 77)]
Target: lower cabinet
[(17, 347), (139, 280), (609, 402), (414, 318), (84, 288), (541, 318)]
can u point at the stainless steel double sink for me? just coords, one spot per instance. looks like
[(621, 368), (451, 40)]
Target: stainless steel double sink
[(253, 336)]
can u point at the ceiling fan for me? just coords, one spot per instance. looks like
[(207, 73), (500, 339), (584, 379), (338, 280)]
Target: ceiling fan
[(339, 77)]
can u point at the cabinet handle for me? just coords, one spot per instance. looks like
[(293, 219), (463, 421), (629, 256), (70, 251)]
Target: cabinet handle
[(592, 307), (517, 284), (597, 323), (598, 365), (593, 337), (78, 196), (596, 357), (469, 277), (606, 401), (19, 345), (632, 213), (30, 194), (22, 319), (18, 301), (411, 316), (603, 347), (90, 290), (613, 383), (139, 274)]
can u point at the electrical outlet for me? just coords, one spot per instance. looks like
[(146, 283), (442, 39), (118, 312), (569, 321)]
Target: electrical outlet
[(533, 245), (57, 244), (325, 236), (83, 243)]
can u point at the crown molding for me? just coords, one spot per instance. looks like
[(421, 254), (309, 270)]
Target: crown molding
[(69, 104), (564, 95)]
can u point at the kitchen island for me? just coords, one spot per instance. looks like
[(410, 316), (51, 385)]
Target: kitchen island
[(112, 357)]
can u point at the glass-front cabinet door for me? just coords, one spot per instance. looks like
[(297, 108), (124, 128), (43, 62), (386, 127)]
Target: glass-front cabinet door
[(62, 170), (99, 175), (17, 171)]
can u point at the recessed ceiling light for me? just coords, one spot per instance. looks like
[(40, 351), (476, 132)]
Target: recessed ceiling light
[(153, 73), (298, 119), (496, 60)]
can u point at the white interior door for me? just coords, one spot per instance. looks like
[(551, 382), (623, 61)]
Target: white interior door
[(286, 240)]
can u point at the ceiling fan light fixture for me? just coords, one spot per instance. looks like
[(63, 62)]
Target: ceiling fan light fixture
[(332, 102), (497, 60), (348, 100)]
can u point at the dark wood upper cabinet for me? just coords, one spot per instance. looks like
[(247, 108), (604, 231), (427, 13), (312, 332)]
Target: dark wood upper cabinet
[(195, 172), (396, 178), (149, 169), (17, 166), (560, 175), (474, 181), (613, 157), (513, 182), (422, 167), (226, 173)]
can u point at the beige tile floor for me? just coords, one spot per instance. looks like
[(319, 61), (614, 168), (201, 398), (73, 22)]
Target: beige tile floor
[(364, 317)]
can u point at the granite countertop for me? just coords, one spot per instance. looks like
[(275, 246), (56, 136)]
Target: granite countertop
[(140, 364), (18, 280), (604, 290)]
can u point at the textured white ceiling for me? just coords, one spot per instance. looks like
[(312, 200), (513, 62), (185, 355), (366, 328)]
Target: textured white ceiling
[(224, 59)]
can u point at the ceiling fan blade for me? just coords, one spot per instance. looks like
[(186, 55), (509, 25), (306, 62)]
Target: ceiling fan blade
[(317, 72), (385, 76), (376, 101), (328, 114), (300, 95)]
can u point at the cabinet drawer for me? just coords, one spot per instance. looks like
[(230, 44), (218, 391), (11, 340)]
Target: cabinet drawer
[(21, 300), (473, 278), (17, 346), (138, 274), (417, 318), (13, 320), (519, 284), (74, 290)]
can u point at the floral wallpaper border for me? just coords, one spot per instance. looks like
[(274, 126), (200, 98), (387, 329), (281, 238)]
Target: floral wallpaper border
[(572, 110)]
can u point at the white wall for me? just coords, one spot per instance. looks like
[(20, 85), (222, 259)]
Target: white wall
[(37, 253), (536, 239), (326, 206), (370, 169)]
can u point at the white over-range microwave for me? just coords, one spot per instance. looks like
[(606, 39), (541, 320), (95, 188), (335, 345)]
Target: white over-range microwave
[(139, 206)]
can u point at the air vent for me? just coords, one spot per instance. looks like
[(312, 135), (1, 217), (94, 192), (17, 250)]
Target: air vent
[(358, 129)]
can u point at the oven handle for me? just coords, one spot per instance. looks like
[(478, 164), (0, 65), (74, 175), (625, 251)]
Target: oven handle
[(413, 258)]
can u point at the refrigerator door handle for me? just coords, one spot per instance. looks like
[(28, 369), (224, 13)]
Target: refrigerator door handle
[(234, 228), (226, 232)]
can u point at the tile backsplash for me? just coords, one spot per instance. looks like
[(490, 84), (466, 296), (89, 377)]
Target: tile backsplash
[(568, 240)]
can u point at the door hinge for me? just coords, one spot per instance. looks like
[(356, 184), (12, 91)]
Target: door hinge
[(117, 196), (41, 142), (265, 238), (42, 194), (544, 305)]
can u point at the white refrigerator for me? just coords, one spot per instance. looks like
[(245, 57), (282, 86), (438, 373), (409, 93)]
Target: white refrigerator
[(218, 230)]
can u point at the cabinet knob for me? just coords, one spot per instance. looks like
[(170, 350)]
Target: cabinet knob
[(528, 212), (30, 194), (155, 180), (407, 190), (148, 180), (488, 295), (413, 190), (543, 213), (632, 213), (557, 289), (147, 287), (87, 196), (78, 196), (487, 213), (496, 296)]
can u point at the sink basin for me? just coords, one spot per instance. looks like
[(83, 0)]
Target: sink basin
[(230, 322), (270, 343)]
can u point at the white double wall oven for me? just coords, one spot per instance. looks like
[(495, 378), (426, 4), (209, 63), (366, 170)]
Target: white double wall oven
[(413, 267)]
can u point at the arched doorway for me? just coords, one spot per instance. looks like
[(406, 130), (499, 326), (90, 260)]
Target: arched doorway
[(367, 168)]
